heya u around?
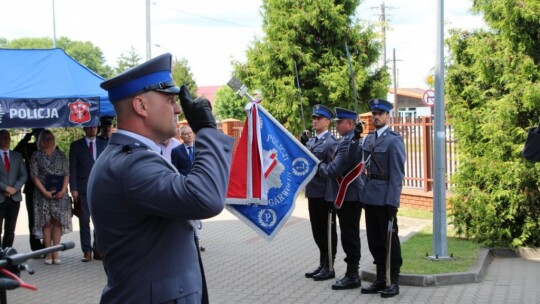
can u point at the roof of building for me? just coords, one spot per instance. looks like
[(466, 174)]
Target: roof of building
[(410, 92), (209, 92)]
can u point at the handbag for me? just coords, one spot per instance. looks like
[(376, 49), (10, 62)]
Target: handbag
[(76, 208)]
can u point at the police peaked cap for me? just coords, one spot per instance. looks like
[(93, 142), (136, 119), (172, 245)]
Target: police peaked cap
[(153, 75), (380, 105), (342, 113), (322, 111)]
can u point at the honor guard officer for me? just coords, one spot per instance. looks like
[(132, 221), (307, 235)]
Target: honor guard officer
[(142, 208), (351, 208), (322, 146), (382, 190)]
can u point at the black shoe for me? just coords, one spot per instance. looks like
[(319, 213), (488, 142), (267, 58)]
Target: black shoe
[(347, 283), (375, 287), (390, 291), (314, 272), (98, 255), (324, 274)]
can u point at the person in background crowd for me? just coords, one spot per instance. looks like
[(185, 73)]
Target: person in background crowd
[(182, 156), (82, 156), (12, 178), (383, 180), (322, 146), (49, 170), (26, 148), (351, 208), (142, 208), (105, 128), (531, 150), (167, 146)]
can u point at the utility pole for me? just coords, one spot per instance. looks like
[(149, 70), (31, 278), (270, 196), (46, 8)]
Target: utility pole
[(384, 25), (382, 18), (396, 111), (148, 32), (54, 25), (439, 155)]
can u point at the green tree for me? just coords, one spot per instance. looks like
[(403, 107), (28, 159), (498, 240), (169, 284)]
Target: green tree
[(126, 61), (228, 104), (84, 52), (493, 91), (182, 75), (312, 34)]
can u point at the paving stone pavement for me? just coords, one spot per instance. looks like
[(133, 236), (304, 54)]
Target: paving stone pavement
[(241, 267)]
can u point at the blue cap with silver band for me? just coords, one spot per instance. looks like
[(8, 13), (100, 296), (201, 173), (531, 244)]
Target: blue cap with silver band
[(380, 105), (342, 113), (322, 111), (153, 75)]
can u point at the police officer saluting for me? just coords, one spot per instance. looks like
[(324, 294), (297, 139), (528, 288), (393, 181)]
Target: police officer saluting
[(142, 208), (322, 146), (382, 190)]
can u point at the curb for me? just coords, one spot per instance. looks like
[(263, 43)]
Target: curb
[(475, 275)]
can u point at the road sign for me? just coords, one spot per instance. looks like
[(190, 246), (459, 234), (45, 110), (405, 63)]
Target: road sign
[(429, 98)]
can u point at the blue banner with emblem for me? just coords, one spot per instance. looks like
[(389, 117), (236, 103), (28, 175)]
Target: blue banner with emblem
[(49, 112), (287, 167)]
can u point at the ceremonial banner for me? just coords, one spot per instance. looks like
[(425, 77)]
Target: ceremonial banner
[(49, 112), (247, 183), (278, 164)]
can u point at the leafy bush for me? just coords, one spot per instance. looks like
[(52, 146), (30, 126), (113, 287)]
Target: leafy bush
[(493, 93)]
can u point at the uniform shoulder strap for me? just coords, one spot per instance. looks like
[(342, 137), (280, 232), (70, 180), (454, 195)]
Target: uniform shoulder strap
[(133, 147)]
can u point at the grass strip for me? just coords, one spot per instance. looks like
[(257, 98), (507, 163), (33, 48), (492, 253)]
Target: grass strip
[(414, 250)]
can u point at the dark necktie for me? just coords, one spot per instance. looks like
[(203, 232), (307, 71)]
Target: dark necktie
[(190, 152), (91, 148), (376, 135), (6, 161)]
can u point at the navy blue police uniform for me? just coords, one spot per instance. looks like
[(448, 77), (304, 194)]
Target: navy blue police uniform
[(143, 210), (322, 146), (383, 180), (351, 209)]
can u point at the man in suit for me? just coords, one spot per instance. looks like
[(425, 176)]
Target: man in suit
[(13, 175), (105, 127), (82, 155), (385, 171), (142, 208), (182, 156), (351, 208), (26, 148), (322, 146), (531, 150)]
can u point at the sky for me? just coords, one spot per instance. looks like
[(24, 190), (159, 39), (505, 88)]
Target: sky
[(211, 33)]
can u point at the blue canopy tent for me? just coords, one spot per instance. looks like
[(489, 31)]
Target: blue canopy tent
[(33, 82)]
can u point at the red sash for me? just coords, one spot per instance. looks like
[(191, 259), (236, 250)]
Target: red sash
[(344, 183)]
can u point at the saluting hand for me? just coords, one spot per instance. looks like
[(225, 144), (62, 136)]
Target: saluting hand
[(198, 112)]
